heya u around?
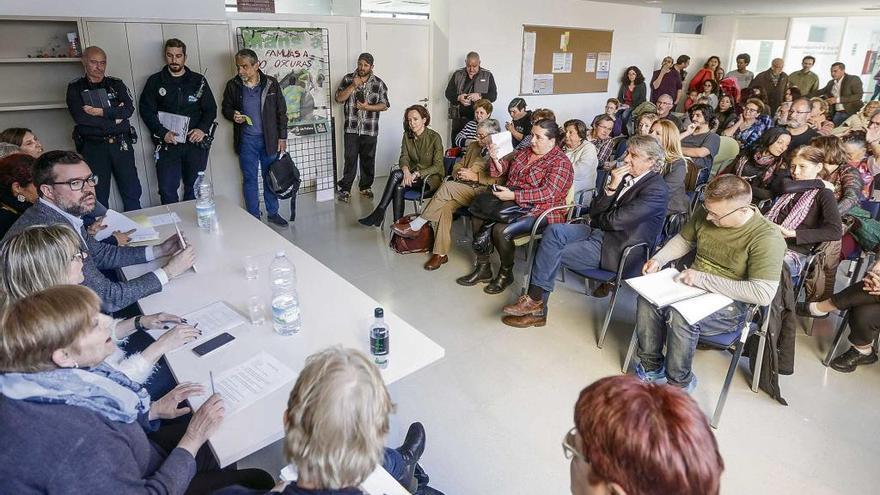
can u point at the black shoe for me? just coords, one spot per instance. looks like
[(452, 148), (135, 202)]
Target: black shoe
[(411, 451), (803, 309), (367, 193), (372, 220), (500, 282), (343, 196), (277, 220), (292, 217), (851, 359), (482, 273)]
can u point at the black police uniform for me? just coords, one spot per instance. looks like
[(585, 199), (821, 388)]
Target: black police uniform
[(187, 95), (107, 143)]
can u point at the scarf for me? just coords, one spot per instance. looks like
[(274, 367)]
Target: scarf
[(101, 389), (797, 214), (769, 163)]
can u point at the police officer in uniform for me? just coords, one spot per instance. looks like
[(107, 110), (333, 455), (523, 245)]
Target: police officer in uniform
[(102, 135), (178, 90)]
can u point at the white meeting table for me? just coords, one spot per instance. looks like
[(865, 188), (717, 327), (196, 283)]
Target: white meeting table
[(334, 312)]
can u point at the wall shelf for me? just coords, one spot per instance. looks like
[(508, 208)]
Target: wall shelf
[(37, 105), (36, 60)]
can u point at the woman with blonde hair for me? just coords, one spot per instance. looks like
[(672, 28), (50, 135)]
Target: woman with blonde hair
[(675, 167), (44, 256), (71, 424)]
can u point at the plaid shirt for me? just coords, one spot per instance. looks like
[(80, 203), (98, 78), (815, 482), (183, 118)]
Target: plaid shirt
[(604, 148), (360, 121), (543, 184)]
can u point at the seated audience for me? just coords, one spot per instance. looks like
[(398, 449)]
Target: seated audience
[(719, 76), (710, 92), (758, 166), (7, 149), (791, 94), (538, 178), (855, 145), (634, 438), (612, 108), (692, 99), (705, 74), (836, 170), (738, 254), (843, 93), (742, 75), (335, 425), (797, 123), (581, 153), (698, 142), (521, 124), (806, 217), (872, 135), (818, 118), (750, 125), (41, 256), (629, 210), (632, 92), (641, 127), (862, 300), (23, 138), (470, 177), (69, 423), (666, 81), (858, 121), (468, 133), (674, 167), (421, 159), (726, 113), (66, 186), (538, 114), (664, 110), (17, 189), (600, 137)]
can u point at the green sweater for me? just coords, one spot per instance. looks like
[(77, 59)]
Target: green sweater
[(423, 154)]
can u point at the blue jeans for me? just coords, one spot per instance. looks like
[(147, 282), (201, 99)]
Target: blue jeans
[(394, 464), (839, 117), (658, 326), (577, 247), (253, 151)]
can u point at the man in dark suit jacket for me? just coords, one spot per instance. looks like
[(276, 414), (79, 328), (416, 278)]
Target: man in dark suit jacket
[(629, 210), (66, 186), (772, 82), (843, 93)]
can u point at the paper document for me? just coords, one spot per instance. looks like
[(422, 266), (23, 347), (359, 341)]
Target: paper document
[(697, 308), (115, 221), (502, 140), (661, 290), (561, 62), (163, 219), (251, 380), (212, 319), (379, 482), (178, 124), (543, 84)]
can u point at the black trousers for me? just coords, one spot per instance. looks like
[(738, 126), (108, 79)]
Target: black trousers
[(209, 476), (179, 162), (114, 159), (864, 313), (503, 235), (358, 150)]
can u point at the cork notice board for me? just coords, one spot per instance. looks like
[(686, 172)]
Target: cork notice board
[(561, 60)]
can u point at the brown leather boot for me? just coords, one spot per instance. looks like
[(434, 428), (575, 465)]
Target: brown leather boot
[(524, 321), (435, 261), (525, 305)]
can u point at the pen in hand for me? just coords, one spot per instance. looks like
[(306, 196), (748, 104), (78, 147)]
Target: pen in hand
[(211, 376)]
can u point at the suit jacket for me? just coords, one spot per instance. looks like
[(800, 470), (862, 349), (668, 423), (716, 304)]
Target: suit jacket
[(636, 216), (773, 95), (850, 93), (101, 256)]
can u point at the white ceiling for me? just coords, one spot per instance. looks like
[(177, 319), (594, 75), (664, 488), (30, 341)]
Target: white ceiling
[(760, 7)]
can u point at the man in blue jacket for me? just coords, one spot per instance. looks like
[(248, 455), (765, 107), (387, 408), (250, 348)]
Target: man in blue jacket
[(629, 210)]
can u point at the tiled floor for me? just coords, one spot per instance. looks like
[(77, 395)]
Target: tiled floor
[(496, 407)]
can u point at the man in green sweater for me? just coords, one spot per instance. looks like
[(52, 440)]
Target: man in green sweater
[(738, 254), (805, 79)]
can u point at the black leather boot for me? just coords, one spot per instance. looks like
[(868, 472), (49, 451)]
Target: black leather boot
[(397, 204), (501, 281), (373, 219), (411, 451), (482, 273)]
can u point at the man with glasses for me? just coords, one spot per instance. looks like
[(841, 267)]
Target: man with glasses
[(798, 127), (872, 135), (664, 110), (636, 438), (738, 254), (66, 186)]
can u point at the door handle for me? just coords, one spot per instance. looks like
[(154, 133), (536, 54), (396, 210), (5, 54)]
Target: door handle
[(423, 100)]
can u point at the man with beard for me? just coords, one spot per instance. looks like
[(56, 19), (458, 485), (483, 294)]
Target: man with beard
[(801, 132), (363, 96), (66, 186), (177, 90)]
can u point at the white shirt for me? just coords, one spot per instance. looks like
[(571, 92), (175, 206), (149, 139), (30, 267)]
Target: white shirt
[(835, 92), (628, 182)]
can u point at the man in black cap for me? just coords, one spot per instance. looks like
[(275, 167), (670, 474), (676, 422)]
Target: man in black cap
[(363, 96), (101, 106), (177, 90)]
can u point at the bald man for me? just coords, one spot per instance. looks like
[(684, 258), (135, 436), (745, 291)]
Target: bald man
[(772, 82), (101, 106)]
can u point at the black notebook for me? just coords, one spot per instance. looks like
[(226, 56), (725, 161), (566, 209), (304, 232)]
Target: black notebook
[(96, 98)]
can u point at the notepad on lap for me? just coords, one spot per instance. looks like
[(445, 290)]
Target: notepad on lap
[(661, 290), (502, 140)]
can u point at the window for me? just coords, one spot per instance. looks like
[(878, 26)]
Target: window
[(761, 51), (398, 9), (681, 23)]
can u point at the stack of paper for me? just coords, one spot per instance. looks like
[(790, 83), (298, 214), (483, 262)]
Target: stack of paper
[(115, 221), (178, 124), (212, 319), (502, 140), (661, 290)]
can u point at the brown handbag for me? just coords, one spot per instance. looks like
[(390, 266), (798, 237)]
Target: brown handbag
[(421, 244)]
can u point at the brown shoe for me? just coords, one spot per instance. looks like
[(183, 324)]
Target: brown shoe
[(524, 321), (403, 230), (525, 305), (435, 261), (603, 290)]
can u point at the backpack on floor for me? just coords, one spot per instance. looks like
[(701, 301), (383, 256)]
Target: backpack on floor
[(284, 177), (423, 243)]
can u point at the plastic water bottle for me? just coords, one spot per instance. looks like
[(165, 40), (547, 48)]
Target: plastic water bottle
[(205, 210), (380, 339), (286, 316)]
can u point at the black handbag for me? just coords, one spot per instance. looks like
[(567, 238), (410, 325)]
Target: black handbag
[(488, 207), (284, 179)]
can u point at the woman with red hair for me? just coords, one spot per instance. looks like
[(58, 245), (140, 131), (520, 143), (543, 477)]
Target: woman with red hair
[(17, 189), (639, 438)]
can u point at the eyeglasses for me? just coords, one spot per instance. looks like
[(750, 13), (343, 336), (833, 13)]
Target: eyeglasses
[(710, 213), (750, 110), (568, 449), (606, 127), (795, 111), (78, 184), (80, 256), (482, 136), (873, 123)]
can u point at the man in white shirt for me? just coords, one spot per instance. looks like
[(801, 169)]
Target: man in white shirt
[(844, 93)]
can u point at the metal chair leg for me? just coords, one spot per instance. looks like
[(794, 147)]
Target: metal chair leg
[(759, 361), (608, 316), (719, 407), (633, 341), (838, 338)]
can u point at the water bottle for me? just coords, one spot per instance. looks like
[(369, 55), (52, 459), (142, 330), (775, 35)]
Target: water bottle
[(286, 316), (380, 339), (205, 210)]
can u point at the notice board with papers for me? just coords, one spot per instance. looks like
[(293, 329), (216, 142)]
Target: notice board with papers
[(563, 60)]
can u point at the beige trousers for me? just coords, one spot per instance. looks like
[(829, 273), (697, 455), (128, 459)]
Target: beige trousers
[(450, 197)]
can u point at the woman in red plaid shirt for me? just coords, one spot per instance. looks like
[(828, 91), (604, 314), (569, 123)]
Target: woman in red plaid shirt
[(538, 178)]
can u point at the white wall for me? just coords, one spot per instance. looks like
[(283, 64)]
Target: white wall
[(117, 9), (496, 34)]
